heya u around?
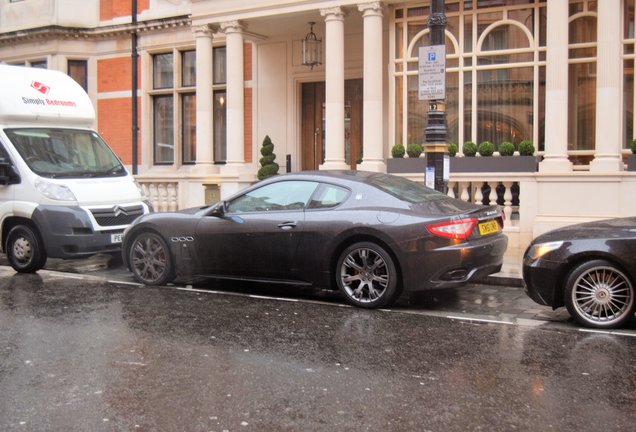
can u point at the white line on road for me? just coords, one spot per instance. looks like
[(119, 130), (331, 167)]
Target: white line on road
[(482, 320)]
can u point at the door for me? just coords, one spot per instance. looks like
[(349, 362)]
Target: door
[(313, 124), (259, 233)]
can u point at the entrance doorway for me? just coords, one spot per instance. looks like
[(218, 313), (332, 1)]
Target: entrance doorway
[(313, 124)]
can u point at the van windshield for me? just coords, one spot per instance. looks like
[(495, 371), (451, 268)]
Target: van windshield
[(71, 153)]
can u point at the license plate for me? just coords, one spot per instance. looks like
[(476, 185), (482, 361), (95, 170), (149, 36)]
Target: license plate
[(489, 227), (116, 238)]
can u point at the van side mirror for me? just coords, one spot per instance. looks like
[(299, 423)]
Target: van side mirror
[(8, 174)]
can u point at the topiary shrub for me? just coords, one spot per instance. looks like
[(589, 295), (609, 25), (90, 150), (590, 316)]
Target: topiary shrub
[(452, 149), (486, 148), (398, 151), (633, 147), (414, 150), (526, 148), (506, 148), (268, 168), (470, 149)]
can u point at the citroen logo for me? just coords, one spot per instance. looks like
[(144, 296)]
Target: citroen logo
[(118, 211)]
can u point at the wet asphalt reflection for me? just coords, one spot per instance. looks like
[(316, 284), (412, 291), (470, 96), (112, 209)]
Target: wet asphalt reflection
[(84, 354)]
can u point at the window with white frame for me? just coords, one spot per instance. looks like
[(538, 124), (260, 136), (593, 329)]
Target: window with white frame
[(219, 104), (629, 41), (495, 76), (174, 107), (173, 97)]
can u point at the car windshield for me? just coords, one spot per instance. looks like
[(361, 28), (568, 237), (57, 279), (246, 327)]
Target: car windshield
[(72, 153), (404, 189)]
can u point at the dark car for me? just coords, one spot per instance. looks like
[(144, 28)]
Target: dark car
[(368, 234), (590, 268)]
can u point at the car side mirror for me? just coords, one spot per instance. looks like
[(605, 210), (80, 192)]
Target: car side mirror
[(218, 210)]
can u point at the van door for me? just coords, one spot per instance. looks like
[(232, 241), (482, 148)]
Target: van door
[(8, 176)]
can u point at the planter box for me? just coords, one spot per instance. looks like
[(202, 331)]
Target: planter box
[(406, 165), (631, 162), (480, 164)]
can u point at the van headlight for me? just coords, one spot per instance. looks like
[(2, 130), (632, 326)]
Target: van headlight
[(54, 191)]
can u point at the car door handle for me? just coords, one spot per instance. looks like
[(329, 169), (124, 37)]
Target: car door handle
[(287, 225)]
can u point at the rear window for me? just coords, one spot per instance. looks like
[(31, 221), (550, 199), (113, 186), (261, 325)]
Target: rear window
[(404, 189)]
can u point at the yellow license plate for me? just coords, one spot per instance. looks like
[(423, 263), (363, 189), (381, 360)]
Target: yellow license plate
[(489, 227)]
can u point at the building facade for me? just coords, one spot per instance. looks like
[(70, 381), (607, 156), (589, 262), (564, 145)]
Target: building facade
[(215, 77)]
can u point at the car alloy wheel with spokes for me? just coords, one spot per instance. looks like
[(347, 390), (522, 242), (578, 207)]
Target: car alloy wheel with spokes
[(367, 275), (150, 259), (599, 295)]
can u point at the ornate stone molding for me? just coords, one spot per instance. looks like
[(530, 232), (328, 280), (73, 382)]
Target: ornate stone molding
[(205, 30), (375, 8), (333, 13), (232, 27), (104, 32)]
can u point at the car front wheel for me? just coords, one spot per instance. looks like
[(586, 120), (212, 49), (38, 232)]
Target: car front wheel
[(367, 276), (150, 259), (599, 295)]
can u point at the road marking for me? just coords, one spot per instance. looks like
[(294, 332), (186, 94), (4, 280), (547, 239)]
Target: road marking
[(609, 332), (483, 320)]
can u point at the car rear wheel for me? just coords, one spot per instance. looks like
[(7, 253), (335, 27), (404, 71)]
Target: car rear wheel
[(25, 249), (598, 294), (150, 259), (367, 276)]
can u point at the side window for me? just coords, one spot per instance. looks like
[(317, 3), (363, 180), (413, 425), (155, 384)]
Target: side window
[(282, 196), (329, 196)]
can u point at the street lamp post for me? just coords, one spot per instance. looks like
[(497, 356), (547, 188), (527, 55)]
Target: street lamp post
[(435, 146)]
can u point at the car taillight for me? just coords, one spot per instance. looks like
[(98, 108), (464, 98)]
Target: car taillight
[(457, 229)]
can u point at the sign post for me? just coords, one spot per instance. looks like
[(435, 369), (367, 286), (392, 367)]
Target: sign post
[(432, 87)]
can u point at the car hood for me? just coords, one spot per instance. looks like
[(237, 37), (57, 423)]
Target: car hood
[(610, 228)]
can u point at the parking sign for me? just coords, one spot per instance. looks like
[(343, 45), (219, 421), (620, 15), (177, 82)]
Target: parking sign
[(432, 72)]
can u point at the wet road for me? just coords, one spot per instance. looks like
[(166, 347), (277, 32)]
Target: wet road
[(84, 354)]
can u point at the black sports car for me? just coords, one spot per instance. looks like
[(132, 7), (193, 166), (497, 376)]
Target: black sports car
[(368, 234), (590, 268)]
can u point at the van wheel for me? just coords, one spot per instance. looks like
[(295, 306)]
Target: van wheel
[(25, 249)]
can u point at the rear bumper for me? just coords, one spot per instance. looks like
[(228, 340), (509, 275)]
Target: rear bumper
[(455, 265)]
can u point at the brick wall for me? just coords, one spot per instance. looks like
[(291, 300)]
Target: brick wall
[(114, 123), (109, 9), (115, 74)]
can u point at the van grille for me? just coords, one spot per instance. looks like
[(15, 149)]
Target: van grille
[(117, 215)]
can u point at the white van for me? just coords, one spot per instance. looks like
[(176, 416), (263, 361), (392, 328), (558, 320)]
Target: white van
[(63, 192)]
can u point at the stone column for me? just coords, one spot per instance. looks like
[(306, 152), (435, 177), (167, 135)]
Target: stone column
[(555, 158), (609, 76), (203, 38), (373, 124), (334, 89), (235, 103)]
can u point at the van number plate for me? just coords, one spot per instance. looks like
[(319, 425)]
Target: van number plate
[(489, 227), (116, 238)]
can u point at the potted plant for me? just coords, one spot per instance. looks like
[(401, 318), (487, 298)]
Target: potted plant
[(399, 164), (452, 149), (470, 149), (486, 148), (414, 150), (268, 168), (398, 151), (525, 162), (506, 148)]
